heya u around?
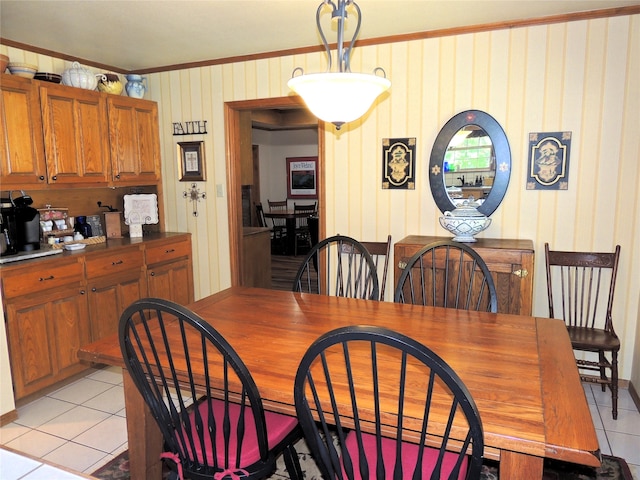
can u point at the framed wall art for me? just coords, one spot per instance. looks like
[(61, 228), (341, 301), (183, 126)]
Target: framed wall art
[(399, 163), (191, 158), (549, 161), (302, 177)]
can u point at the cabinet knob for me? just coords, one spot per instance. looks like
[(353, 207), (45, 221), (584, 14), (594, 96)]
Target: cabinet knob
[(81, 292), (94, 289), (521, 273), (153, 274), (55, 177), (118, 176), (41, 177)]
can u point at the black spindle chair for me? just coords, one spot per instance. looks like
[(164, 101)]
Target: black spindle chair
[(339, 266), (217, 428), (447, 274), (374, 403)]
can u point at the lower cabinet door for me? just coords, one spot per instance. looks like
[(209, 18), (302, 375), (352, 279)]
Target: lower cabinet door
[(172, 281), (109, 297), (44, 335)]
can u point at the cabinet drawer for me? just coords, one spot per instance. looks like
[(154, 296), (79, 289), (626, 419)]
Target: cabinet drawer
[(168, 251), (114, 263), (36, 278)]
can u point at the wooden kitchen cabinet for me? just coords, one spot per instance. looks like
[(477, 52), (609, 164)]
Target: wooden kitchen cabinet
[(47, 322), (170, 270), (22, 163), (54, 305), (115, 279), (256, 257), (134, 140), (75, 135), (510, 263)]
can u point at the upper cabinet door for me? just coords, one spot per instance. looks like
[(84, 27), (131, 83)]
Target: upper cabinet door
[(75, 135), (135, 141), (22, 162)]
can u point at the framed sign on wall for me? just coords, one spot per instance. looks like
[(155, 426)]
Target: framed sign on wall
[(191, 157), (302, 177)]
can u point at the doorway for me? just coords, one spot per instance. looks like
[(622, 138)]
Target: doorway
[(238, 121)]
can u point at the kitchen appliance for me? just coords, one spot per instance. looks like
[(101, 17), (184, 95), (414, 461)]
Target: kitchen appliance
[(20, 224)]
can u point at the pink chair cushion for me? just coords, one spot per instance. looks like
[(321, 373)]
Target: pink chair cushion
[(278, 426), (409, 457)]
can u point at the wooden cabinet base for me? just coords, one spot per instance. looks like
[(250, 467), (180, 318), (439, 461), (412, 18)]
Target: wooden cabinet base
[(510, 263), (80, 300)]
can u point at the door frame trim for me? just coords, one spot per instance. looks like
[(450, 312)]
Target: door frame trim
[(234, 194)]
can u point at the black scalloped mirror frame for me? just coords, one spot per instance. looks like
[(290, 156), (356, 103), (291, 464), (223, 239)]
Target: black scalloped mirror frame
[(503, 159)]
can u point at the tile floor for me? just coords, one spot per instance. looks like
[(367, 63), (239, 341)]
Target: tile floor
[(82, 425)]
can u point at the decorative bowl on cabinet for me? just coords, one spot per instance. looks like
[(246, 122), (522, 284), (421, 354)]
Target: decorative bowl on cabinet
[(465, 221), (110, 83), (80, 77), (27, 70)]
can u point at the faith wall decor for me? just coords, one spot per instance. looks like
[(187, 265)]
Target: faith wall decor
[(194, 127)]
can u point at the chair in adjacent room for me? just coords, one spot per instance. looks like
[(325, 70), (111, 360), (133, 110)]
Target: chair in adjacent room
[(580, 288), (225, 431), (279, 224), (387, 407), (339, 266), (303, 235), (277, 238), (380, 251), (447, 274)]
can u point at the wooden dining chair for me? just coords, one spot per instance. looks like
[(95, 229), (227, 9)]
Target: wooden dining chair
[(303, 235), (219, 428), (277, 239), (374, 403), (339, 266), (447, 274), (380, 251), (279, 224), (580, 288)]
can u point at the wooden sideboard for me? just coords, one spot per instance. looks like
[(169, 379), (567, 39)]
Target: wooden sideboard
[(510, 263)]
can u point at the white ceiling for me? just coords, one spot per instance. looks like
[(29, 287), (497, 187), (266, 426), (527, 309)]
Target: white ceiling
[(134, 35)]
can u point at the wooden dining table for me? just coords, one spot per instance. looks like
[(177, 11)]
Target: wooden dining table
[(290, 217), (520, 370)]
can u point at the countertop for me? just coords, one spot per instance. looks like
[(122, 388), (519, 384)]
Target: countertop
[(111, 243)]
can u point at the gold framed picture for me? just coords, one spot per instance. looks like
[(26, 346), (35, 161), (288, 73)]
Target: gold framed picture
[(191, 155)]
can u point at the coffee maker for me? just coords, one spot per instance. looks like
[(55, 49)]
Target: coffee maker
[(20, 224)]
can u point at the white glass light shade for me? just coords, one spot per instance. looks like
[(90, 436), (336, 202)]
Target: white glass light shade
[(339, 97)]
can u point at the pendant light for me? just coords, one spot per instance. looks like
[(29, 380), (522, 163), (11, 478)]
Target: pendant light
[(339, 97)]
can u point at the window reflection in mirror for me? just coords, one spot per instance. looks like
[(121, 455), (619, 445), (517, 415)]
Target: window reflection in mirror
[(469, 165), (470, 157)]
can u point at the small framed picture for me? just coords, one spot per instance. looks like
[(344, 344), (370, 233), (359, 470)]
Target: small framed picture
[(191, 155), (302, 177)]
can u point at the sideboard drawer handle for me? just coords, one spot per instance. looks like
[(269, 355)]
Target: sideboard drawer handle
[(44, 279), (170, 250), (521, 273), (119, 262)]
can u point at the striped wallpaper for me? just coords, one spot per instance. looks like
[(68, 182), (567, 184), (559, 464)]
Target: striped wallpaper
[(581, 76)]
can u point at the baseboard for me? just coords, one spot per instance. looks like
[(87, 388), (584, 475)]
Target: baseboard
[(634, 396), (8, 417)]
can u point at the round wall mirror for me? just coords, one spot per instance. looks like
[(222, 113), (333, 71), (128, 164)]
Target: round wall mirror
[(470, 158)]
